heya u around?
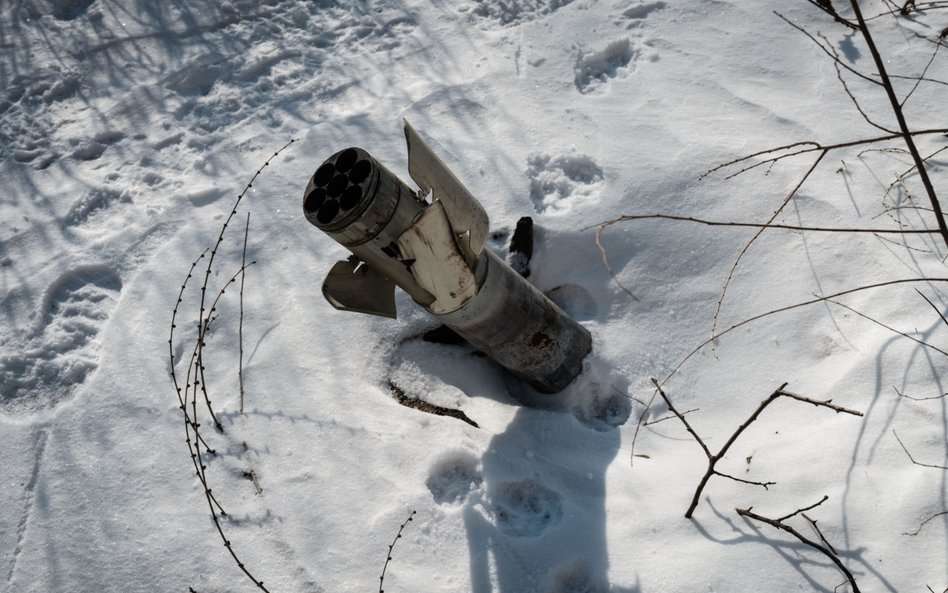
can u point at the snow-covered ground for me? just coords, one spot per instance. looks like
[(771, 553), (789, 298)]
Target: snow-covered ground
[(127, 129)]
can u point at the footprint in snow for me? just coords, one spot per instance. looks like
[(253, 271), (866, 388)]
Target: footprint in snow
[(525, 508), (556, 182), (49, 366), (593, 69), (640, 12), (453, 477), (576, 578), (514, 12)]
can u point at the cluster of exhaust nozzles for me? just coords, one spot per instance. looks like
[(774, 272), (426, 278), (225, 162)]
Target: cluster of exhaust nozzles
[(435, 251)]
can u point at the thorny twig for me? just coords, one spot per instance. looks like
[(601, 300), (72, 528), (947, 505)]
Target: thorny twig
[(714, 458), (823, 549), (195, 382), (388, 557), (240, 330)]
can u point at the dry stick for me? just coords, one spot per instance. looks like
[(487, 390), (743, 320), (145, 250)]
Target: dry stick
[(197, 355), (891, 329), (699, 347), (918, 399), (217, 511), (664, 418), (827, 50), (827, 7), (192, 424), (921, 77), (605, 263), (927, 300), (217, 244), (912, 458), (747, 246), (786, 227), (714, 458), (816, 527), (779, 524), (900, 117), (905, 134), (240, 330), (922, 524), (388, 557), (182, 396), (797, 148), (791, 307), (842, 81)]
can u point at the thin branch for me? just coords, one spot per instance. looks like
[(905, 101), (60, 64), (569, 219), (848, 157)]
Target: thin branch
[(391, 547), (760, 316), (842, 81), (825, 50), (919, 399), (912, 459), (796, 148), (747, 246), (828, 552), (827, 7), (805, 509), (891, 329), (605, 262), (714, 458), (923, 523), (240, 330), (900, 117), (664, 418), (927, 300), (759, 225), (816, 528), (919, 79), (187, 391)]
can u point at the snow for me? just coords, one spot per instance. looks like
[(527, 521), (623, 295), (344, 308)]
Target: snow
[(127, 130)]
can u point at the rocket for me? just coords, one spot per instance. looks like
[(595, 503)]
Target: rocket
[(430, 243)]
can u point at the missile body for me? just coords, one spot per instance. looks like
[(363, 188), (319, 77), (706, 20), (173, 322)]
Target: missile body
[(435, 252)]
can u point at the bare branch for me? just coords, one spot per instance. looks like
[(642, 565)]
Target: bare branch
[(194, 381), (816, 527), (605, 262), (827, 7), (826, 50), (391, 547), (664, 418), (826, 551), (240, 330), (912, 458), (891, 329), (923, 523), (919, 399), (740, 324), (927, 300), (921, 78), (900, 117), (714, 458), (759, 225)]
